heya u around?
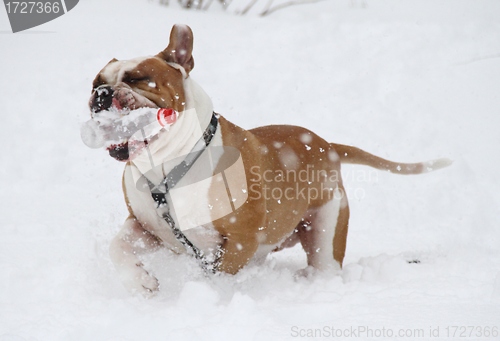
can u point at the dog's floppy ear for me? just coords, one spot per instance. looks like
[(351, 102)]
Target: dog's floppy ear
[(180, 48)]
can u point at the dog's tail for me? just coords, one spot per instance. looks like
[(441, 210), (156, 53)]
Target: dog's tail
[(353, 155)]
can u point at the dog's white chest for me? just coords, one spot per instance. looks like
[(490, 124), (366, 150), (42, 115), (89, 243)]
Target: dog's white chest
[(189, 202)]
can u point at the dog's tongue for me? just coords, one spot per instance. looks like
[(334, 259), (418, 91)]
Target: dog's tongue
[(113, 127)]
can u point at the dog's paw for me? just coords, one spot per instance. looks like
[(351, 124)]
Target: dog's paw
[(311, 272), (307, 272), (138, 280)]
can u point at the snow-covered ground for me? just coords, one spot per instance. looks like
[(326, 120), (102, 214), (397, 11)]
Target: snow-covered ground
[(409, 80)]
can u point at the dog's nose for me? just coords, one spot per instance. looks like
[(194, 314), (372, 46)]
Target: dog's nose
[(102, 99)]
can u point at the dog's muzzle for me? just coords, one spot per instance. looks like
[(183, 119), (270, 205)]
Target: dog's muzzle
[(125, 132), (102, 98)]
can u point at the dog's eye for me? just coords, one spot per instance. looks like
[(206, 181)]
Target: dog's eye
[(128, 78), (136, 80)]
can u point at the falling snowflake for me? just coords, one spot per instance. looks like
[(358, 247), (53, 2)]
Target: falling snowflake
[(305, 138)]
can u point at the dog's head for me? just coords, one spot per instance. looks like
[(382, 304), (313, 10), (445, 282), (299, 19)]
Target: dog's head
[(155, 82)]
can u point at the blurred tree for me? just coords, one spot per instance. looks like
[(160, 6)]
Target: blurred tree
[(241, 7)]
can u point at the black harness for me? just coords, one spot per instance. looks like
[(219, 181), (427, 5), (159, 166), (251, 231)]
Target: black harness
[(160, 191)]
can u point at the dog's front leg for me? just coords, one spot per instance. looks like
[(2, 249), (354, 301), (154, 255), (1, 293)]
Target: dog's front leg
[(131, 241), (236, 252)]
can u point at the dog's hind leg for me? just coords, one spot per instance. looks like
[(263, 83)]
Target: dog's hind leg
[(323, 236), (131, 241), (340, 238)]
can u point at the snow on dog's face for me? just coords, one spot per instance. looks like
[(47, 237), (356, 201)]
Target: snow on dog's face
[(122, 87), (126, 86)]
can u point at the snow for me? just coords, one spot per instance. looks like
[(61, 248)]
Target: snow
[(113, 126), (305, 138), (407, 80)]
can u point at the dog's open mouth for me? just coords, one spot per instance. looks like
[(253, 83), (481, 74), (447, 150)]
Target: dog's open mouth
[(119, 151), (126, 133), (129, 150), (124, 122)]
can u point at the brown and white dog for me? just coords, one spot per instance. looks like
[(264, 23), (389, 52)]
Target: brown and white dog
[(284, 183)]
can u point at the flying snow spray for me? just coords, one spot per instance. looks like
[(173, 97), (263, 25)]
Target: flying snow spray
[(106, 128)]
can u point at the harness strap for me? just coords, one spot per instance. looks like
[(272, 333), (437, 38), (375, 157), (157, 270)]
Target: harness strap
[(160, 192)]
